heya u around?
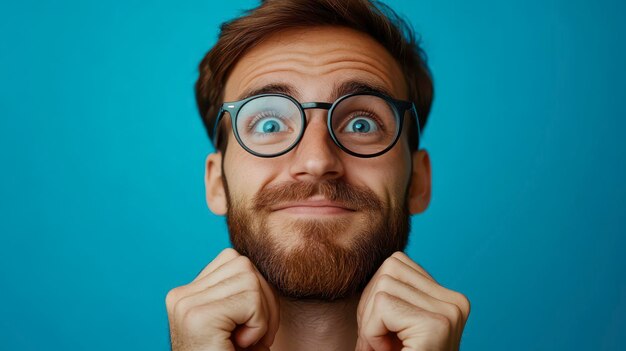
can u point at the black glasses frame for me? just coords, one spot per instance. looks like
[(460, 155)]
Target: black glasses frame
[(399, 109)]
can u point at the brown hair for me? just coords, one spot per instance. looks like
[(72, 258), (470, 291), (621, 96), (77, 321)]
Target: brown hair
[(371, 17)]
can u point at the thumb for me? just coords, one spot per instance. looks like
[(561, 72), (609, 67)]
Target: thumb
[(247, 336)]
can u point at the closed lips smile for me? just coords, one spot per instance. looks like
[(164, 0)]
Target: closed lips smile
[(317, 207)]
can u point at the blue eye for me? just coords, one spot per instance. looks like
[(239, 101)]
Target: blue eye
[(361, 125), (269, 125)]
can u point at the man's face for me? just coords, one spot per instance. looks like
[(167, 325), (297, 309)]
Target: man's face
[(317, 222)]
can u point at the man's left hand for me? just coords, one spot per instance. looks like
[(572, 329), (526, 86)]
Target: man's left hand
[(404, 308)]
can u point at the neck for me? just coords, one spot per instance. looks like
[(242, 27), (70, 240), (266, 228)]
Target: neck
[(316, 325)]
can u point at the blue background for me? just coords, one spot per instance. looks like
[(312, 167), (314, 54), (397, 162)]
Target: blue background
[(102, 197)]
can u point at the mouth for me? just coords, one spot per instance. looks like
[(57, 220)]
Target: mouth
[(313, 206)]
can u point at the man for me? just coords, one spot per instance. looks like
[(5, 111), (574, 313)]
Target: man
[(315, 110)]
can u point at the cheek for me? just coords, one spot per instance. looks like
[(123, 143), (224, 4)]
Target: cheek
[(396, 168), (396, 183), (387, 177), (246, 174)]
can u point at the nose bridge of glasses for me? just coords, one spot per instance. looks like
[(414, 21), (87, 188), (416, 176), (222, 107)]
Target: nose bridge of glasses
[(315, 135), (316, 105), (321, 106)]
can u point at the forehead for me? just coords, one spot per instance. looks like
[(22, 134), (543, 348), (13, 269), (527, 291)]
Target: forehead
[(314, 61)]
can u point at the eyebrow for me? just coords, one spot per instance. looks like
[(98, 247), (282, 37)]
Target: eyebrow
[(341, 89), (273, 88), (358, 86)]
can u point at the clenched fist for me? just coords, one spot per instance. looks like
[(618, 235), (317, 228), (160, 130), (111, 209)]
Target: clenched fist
[(228, 306), (403, 308)]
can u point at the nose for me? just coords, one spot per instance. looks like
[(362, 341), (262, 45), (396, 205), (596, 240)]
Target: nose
[(316, 157)]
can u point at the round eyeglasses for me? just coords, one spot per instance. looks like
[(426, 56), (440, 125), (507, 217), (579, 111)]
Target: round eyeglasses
[(361, 124)]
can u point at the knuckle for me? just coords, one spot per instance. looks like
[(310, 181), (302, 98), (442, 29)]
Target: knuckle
[(244, 263), (249, 279), (455, 312), (253, 297), (182, 306), (389, 265), (441, 323), (463, 303), (382, 298), (385, 281), (171, 297), (399, 255), (194, 319), (229, 251), (392, 260)]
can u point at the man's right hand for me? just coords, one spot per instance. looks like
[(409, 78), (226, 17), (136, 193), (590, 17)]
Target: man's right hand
[(228, 306)]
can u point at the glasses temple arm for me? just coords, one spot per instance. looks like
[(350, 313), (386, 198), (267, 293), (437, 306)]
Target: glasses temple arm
[(217, 121)]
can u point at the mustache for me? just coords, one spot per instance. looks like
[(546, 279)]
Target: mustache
[(356, 197)]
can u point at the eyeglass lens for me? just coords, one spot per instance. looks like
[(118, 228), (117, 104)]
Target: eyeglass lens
[(363, 124)]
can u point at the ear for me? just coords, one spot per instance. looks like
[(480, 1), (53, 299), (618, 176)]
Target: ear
[(214, 184), (419, 192)]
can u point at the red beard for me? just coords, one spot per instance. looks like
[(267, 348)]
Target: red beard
[(318, 267)]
